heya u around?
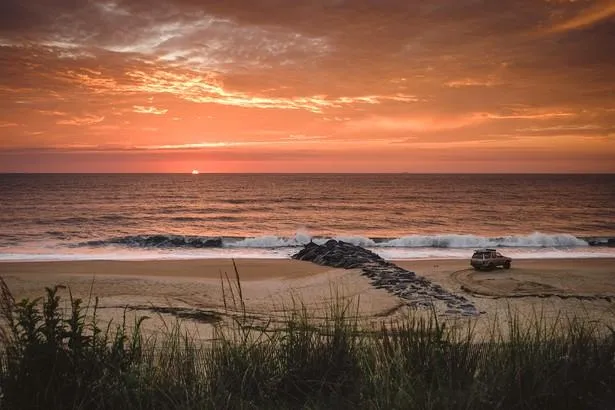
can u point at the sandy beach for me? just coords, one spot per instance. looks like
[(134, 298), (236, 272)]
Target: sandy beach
[(204, 291)]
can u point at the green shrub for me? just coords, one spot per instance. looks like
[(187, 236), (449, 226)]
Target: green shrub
[(56, 358)]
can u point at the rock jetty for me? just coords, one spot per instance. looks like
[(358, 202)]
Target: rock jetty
[(416, 290)]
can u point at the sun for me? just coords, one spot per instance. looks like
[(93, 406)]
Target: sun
[(195, 172)]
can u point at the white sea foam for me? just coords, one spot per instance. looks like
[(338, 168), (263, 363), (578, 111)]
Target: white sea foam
[(271, 241), (167, 241), (535, 240), (515, 253), (146, 255), (389, 253), (535, 245)]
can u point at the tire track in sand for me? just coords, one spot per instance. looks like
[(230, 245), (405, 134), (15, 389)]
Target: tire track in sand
[(495, 288)]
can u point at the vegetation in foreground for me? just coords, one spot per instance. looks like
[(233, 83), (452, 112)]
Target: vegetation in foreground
[(54, 358)]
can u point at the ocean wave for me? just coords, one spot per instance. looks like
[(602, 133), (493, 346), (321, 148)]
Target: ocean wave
[(159, 241), (222, 218), (460, 241), (271, 241), (535, 240)]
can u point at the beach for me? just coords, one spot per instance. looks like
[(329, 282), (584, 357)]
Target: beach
[(205, 291)]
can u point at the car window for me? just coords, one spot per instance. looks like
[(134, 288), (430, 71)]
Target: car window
[(498, 254)]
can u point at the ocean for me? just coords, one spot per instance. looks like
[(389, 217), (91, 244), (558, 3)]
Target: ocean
[(399, 216)]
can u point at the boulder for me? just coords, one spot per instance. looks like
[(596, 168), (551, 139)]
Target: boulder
[(418, 291)]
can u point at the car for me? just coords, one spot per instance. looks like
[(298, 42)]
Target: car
[(489, 259)]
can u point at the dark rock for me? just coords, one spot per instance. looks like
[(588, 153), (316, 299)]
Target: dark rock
[(307, 252), (331, 244), (418, 291), (209, 243)]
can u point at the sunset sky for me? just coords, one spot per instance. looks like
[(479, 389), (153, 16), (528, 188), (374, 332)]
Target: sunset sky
[(307, 86)]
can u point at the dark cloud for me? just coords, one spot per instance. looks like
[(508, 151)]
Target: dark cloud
[(397, 34), (23, 18)]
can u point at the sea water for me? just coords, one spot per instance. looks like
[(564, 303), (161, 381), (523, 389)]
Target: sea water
[(400, 216)]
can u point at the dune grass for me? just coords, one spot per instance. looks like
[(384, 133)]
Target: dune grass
[(56, 358)]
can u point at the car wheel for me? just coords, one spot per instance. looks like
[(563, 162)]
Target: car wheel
[(507, 265)]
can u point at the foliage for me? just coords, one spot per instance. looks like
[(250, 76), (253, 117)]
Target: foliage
[(58, 358)]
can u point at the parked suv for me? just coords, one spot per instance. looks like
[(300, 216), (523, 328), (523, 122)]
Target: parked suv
[(489, 259)]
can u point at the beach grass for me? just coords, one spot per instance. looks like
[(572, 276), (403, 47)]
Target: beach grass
[(56, 358)]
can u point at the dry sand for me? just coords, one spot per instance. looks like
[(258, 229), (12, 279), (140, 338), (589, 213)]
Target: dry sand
[(548, 288), (203, 291)]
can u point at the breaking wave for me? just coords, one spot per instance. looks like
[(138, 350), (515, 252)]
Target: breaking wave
[(535, 240)]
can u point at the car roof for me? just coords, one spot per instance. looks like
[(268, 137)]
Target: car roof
[(485, 250)]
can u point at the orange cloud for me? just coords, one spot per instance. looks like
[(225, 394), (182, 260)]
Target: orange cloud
[(140, 109), (53, 113), (85, 120), (197, 145), (472, 82), (208, 88), (600, 11), (529, 115), (447, 123), (416, 124), (305, 82)]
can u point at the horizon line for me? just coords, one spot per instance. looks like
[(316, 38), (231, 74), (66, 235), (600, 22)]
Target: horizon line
[(307, 173)]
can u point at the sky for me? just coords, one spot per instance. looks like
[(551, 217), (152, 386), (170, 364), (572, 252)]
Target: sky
[(445, 86)]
